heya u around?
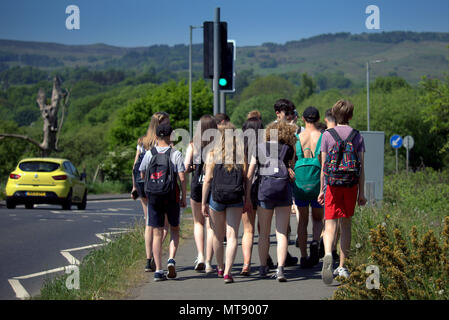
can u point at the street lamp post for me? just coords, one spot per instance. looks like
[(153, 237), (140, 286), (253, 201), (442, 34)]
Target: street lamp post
[(367, 90), (190, 81)]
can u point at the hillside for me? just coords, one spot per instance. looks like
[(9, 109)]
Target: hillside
[(409, 55)]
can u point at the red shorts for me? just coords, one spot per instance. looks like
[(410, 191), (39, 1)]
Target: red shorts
[(340, 202)]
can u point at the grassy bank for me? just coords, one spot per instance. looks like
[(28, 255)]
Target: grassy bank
[(109, 272), (407, 238)]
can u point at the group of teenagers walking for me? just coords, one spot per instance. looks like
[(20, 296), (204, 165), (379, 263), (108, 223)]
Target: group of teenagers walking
[(264, 172)]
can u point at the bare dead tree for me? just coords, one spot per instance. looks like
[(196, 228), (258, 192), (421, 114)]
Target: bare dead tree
[(49, 114)]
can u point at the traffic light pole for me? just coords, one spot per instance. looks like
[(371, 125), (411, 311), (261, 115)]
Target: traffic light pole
[(222, 102), (216, 60)]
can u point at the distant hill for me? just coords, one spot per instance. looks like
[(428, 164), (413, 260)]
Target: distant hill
[(409, 55)]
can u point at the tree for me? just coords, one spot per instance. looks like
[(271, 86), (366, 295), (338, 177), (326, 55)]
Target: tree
[(306, 88), (271, 84), (435, 100), (49, 114)]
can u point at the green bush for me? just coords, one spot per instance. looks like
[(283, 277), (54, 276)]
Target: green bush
[(416, 205)]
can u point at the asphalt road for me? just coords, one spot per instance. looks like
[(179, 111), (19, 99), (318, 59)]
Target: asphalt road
[(31, 241)]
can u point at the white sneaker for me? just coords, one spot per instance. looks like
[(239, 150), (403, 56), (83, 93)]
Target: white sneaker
[(209, 268), (199, 265), (341, 272)]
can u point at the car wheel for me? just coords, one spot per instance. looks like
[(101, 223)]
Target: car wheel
[(10, 204), (29, 205), (83, 204), (67, 203)]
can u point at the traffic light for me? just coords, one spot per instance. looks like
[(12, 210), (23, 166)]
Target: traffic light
[(208, 46), (226, 79)]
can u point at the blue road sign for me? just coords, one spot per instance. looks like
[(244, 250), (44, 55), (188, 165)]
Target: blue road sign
[(396, 141)]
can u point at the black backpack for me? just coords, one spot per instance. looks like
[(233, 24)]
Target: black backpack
[(160, 175), (227, 186), (274, 180)]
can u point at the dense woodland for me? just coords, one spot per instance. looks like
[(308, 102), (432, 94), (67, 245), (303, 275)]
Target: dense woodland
[(113, 94)]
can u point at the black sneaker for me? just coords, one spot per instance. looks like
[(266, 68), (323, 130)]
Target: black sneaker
[(270, 263), (160, 276), (150, 266), (305, 263), (314, 254), (321, 251), (290, 260), (171, 266)]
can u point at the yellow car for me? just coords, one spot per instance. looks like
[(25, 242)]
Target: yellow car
[(46, 180)]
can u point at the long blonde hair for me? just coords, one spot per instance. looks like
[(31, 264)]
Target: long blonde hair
[(149, 140), (221, 154)]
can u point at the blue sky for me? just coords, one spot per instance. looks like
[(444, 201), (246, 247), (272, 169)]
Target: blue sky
[(133, 23)]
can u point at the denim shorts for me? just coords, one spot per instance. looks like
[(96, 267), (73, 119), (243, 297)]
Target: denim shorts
[(270, 205), (221, 206), (306, 203)]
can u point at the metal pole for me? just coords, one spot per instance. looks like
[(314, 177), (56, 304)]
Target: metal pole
[(190, 84), (397, 167), (367, 95), (222, 102), (216, 60), (406, 162)]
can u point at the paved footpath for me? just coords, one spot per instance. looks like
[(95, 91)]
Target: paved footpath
[(191, 285)]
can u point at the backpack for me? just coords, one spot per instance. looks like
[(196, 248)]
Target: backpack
[(160, 175), (342, 165), (273, 179), (307, 173), (136, 167), (227, 186)]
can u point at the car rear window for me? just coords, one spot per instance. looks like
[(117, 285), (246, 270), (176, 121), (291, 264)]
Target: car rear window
[(38, 166)]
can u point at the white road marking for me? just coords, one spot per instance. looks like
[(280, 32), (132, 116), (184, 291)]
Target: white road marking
[(43, 219), (99, 221), (112, 200), (20, 291), (69, 220), (38, 274), (71, 259), (13, 215)]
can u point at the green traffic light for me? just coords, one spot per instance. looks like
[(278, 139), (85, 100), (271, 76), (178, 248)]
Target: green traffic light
[(222, 82)]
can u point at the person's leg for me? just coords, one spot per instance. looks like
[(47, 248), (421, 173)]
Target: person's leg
[(148, 235), (248, 219), (233, 217), (198, 228), (218, 224), (209, 244), (317, 220), (302, 230), (166, 227), (264, 217), (157, 247), (345, 239), (282, 218), (174, 241)]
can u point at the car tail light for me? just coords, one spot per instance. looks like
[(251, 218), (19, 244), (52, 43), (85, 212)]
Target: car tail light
[(14, 176), (61, 177)]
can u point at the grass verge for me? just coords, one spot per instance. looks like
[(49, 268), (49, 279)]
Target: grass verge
[(109, 272), (407, 239)]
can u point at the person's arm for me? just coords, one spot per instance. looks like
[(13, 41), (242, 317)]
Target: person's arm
[(206, 188), (321, 195), (189, 159), (135, 160), (362, 199), (182, 179), (249, 178)]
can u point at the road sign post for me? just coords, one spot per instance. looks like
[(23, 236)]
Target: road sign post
[(408, 144), (396, 143)]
